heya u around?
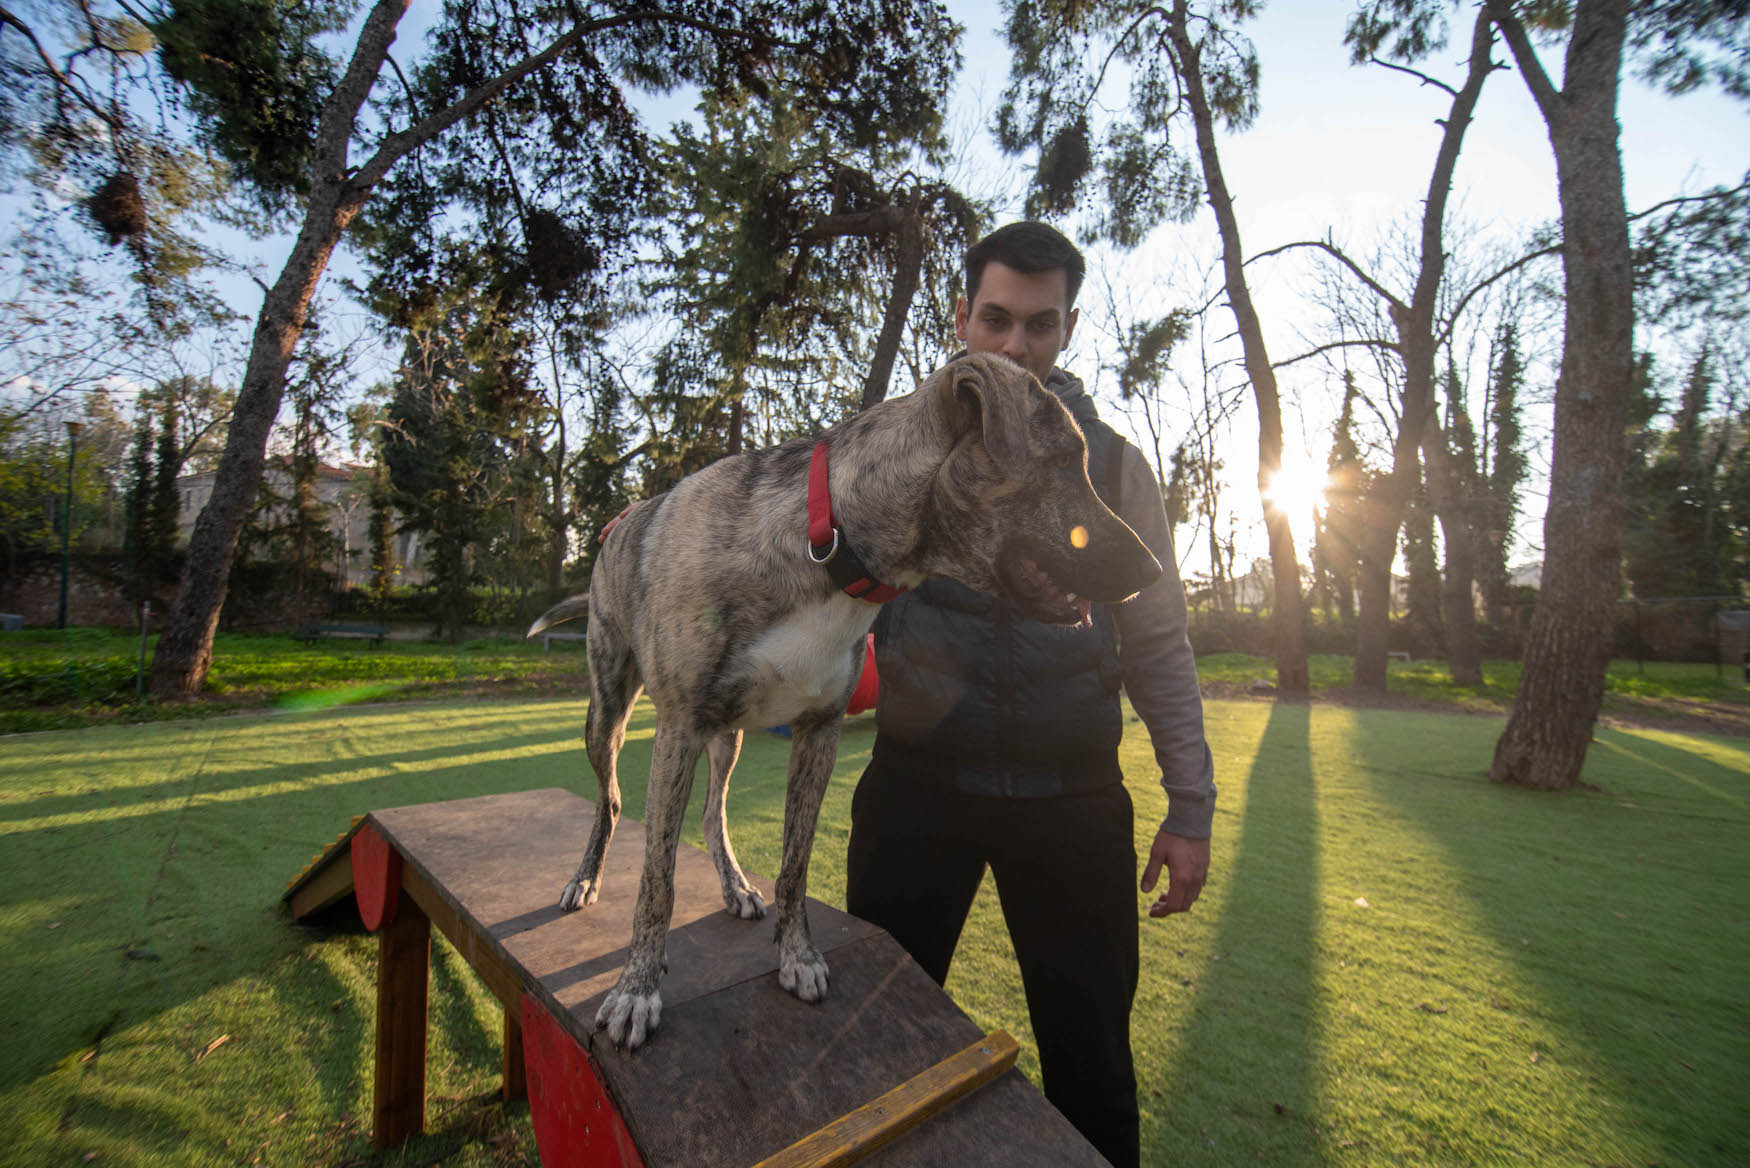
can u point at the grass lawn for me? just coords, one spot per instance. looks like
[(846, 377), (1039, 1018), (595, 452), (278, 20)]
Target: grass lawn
[(55, 679), (1669, 691), (1396, 961)]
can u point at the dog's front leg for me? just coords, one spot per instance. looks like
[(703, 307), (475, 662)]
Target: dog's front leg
[(814, 745), (633, 1008)]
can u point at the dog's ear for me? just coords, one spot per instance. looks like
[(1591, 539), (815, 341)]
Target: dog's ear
[(991, 398)]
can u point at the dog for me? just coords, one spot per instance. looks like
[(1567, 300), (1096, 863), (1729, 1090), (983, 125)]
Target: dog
[(740, 598)]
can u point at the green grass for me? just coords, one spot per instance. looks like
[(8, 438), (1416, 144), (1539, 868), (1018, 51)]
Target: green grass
[(1534, 978), (1652, 689), (58, 679)]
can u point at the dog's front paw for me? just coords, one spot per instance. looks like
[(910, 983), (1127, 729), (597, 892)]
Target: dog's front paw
[(745, 903), (579, 893), (804, 974), (629, 1018)]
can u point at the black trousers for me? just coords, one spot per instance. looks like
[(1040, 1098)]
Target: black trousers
[(1066, 872)]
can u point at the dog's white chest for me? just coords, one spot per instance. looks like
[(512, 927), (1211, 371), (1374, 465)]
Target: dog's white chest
[(804, 662)]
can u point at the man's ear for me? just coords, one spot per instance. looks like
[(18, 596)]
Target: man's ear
[(989, 396), (962, 316), (1069, 327)]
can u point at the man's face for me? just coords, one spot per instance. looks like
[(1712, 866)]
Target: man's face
[(1025, 316)]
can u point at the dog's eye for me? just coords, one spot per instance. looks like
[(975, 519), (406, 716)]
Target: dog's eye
[(1063, 461)]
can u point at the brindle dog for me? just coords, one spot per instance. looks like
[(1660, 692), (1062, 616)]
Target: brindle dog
[(708, 597)]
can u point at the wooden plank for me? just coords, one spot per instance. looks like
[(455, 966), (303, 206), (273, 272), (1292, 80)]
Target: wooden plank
[(853, 1137), (502, 979), (754, 1071), (321, 870), (751, 1068), (403, 977), (516, 1080), (328, 886)]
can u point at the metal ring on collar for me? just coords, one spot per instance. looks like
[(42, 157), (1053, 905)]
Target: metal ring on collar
[(830, 552)]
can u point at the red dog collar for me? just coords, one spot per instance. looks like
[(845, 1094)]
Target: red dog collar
[(827, 543)]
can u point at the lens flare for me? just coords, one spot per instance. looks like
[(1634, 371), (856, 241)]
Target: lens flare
[(1078, 537)]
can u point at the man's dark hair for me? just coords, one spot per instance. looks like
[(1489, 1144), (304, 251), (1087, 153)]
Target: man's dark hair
[(1027, 247)]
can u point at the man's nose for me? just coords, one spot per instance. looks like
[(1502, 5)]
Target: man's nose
[(1015, 343)]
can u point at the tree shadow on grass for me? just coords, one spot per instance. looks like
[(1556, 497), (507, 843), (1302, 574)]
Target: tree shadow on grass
[(1246, 1052), (134, 909), (1625, 1002)]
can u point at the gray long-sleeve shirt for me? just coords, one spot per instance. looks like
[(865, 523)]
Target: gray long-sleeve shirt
[(1154, 650)]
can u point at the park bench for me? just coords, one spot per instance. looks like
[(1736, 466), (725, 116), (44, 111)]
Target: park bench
[(740, 1074), (310, 634)]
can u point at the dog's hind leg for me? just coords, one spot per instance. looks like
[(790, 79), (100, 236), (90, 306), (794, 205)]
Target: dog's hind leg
[(613, 687), (814, 744), (739, 897), (633, 1008)]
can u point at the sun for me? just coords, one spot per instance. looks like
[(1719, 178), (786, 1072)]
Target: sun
[(1297, 488)]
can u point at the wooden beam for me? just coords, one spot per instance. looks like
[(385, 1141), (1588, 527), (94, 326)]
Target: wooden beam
[(403, 977), (505, 983), (516, 1081), (852, 1137)]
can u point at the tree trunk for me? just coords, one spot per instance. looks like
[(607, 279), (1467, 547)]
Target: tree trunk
[(1568, 648), (908, 268), (1373, 584), (1292, 680), (1464, 646), (185, 651)]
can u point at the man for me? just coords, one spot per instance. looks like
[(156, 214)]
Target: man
[(997, 743)]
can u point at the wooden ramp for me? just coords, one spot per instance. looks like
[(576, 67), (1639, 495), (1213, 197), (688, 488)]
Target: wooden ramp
[(886, 1071)]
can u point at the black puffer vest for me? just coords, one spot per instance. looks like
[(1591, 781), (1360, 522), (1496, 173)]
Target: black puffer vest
[(976, 698)]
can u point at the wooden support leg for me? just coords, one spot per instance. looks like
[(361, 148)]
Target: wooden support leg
[(516, 1082), (403, 967)]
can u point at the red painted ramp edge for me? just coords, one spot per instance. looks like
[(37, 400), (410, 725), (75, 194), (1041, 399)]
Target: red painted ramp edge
[(376, 876), (576, 1123)]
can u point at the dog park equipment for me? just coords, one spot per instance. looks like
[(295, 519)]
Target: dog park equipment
[(741, 1073)]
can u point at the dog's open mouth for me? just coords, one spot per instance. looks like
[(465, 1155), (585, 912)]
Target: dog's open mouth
[(1037, 595)]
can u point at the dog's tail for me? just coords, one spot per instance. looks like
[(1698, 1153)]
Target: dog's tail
[(560, 613)]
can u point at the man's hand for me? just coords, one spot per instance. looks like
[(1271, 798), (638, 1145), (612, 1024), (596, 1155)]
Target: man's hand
[(1187, 864)]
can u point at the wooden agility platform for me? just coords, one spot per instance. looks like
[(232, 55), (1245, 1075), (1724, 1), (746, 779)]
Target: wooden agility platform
[(886, 1071)]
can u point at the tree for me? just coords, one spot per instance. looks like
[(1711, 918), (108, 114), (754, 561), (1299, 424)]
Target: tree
[(1568, 646), (487, 51), (165, 503), (1061, 51), (1422, 567), (1505, 471), (1417, 333), (1679, 46), (1449, 475), (1349, 482)]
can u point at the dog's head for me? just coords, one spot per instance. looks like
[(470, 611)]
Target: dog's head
[(1015, 514)]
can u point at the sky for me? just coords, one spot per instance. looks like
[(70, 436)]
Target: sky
[(1336, 150), (1342, 151)]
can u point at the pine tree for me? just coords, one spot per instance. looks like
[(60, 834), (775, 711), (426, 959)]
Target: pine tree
[(1348, 480), (1499, 494), (166, 502), (381, 534), (1422, 599), (142, 546)]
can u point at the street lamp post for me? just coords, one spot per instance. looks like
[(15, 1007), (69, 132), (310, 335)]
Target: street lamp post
[(73, 429)]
